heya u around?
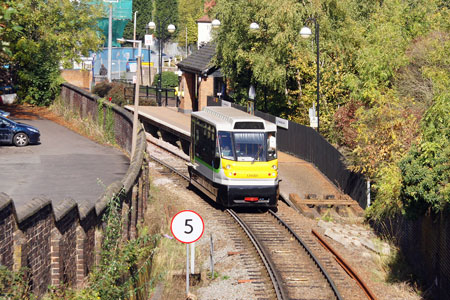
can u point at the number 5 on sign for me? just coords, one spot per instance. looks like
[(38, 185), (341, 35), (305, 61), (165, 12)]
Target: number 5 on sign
[(187, 226)]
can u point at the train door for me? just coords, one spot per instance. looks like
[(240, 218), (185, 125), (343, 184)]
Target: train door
[(204, 148)]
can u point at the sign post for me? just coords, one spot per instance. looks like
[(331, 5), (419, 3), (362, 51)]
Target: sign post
[(187, 227)]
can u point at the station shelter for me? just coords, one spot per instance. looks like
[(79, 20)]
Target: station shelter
[(200, 79)]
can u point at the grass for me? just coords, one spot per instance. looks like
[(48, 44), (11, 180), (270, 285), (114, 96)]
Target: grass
[(85, 126), (170, 254)]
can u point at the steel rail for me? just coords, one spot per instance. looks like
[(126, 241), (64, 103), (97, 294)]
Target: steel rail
[(313, 257), (274, 276), (341, 261)]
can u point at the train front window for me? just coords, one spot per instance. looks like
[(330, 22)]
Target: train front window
[(250, 146), (226, 145)]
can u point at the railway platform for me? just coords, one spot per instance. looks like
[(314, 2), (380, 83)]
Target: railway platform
[(301, 182)]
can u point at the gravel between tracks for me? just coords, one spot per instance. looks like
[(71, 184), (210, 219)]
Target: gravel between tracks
[(368, 264)]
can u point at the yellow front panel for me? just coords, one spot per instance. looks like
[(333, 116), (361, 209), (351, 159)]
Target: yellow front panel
[(250, 170)]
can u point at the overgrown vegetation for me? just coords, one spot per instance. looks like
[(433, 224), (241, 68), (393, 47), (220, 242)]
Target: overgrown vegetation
[(87, 126), (384, 69), (13, 285), (169, 80), (105, 120), (114, 92), (41, 35)]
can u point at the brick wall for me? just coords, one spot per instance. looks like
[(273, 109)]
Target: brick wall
[(80, 78), (206, 89), (6, 233), (188, 87), (60, 244), (37, 229)]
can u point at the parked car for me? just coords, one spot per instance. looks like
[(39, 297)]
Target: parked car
[(16, 133), (4, 113)]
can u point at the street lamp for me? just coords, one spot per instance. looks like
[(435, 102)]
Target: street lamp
[(305, 32), (171, 29), (149, 56), (136, 94)]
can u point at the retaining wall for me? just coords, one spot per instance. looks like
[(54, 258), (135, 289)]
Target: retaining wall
[(60, 244)]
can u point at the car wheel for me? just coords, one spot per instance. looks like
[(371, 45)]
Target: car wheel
[(21, 139)]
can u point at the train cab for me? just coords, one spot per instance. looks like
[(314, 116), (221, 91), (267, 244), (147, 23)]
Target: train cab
[(233, 158)]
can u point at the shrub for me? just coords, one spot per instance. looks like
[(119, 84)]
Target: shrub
[(101, 89), (117, 93), (169, 80)]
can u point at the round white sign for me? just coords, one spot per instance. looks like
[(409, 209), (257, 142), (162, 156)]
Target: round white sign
[(187, 226)]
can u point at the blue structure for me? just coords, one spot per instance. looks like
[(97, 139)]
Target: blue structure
[(122, 59)]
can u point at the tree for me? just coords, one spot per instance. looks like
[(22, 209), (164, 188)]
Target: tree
[(8, 26), (280, 63), (166, 12), (189, 12), (145, 9), (54, 32)]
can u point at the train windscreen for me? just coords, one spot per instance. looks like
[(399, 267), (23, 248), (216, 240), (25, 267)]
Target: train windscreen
[(247, 146)]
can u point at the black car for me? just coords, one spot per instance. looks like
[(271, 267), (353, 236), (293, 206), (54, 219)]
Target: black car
[(16, 133)]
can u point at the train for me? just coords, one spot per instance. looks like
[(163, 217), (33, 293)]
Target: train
[(233, 158)]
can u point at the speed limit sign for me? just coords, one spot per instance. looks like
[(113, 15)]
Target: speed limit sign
[(187, 226)]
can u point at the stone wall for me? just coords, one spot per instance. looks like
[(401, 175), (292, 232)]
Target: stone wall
[(60, 244)]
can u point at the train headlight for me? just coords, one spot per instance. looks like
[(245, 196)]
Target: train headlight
[(228, 167), (274, 167)]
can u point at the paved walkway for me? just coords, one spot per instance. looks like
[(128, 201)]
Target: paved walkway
[(297, 175), (64, 165)]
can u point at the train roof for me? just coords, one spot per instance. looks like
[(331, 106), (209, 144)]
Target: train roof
[(226, 118)]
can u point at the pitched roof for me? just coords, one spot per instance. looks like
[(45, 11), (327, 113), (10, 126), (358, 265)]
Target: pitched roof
[(199, 61), (204, 19)]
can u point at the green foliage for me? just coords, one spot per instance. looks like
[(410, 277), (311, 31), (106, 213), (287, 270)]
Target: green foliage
[(426, 168), (117, 93), (385, 132), (14, 285), (38, 73), (189, 12), (169, 79), (8, 29), (166, 12), (143, 17), (388, 187), (109, 125), (53, 32), (116, 276)]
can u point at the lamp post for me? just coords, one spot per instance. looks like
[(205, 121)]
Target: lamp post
[(149, 56), (110, 42), (305, 32), (136, 94), (171, 29)]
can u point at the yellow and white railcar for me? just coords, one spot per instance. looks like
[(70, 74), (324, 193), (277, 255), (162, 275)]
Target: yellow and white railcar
[(234, 157)]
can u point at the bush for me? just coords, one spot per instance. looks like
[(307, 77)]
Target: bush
[(101, 89), (169, 80), (117, 93)]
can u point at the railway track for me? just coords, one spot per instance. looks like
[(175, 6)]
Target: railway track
[(287, 262), (293, 268)]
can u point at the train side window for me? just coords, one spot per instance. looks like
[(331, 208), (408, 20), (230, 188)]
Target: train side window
[(205, 142)]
